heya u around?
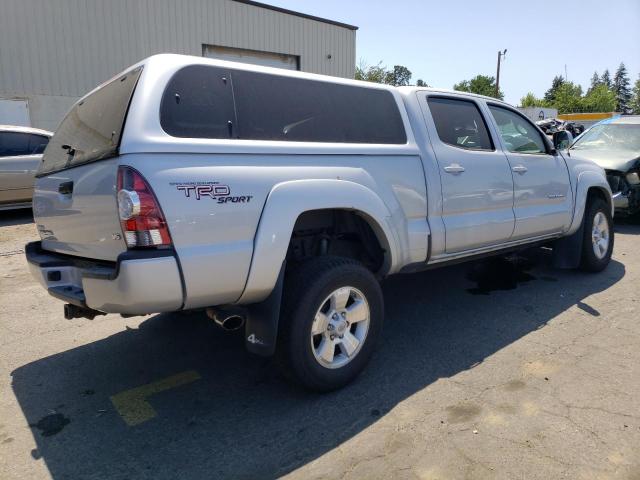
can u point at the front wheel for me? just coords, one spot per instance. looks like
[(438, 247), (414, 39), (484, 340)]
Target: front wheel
[(332, 318), (597, 245)]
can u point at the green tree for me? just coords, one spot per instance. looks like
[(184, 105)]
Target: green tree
[(595, 81), (599, 99), (530, 100), (400, 76), (371, 73), (550, 95), (421, 83), (635, 99), (480, 84), (621, 89), (568, 98), (606, 79)]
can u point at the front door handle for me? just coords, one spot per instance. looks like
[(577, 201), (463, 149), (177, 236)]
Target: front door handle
[(520, 169), (454, 168)]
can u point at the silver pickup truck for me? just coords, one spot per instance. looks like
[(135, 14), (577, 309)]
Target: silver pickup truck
[(277, 201)]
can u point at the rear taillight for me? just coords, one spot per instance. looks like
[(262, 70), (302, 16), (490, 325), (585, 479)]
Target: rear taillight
[(141, 218)]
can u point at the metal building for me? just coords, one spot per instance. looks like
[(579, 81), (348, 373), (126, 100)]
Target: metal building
[(54, 51)]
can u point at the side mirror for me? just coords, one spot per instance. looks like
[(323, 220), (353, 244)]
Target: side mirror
[(562, 140)]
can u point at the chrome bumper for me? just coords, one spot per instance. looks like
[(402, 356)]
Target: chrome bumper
[(620, 201), (138, 283)]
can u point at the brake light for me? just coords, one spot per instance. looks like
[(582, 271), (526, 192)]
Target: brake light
[(142, 220)]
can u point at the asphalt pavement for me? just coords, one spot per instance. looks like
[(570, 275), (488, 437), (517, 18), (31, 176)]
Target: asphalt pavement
[(505, 369)]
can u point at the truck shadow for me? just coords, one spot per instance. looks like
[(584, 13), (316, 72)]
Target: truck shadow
[(627, 225), (20, 216), (241, 419)]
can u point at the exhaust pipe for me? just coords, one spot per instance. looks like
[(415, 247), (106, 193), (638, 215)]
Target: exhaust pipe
[(227, 319)]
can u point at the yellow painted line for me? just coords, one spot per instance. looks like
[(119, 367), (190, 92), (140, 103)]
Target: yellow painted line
[(132, 405), (586, 116)]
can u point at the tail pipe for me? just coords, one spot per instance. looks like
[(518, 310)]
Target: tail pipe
[(228, 319)]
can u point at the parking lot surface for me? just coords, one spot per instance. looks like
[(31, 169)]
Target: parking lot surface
[(504, 369)]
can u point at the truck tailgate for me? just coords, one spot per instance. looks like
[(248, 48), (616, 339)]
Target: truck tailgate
[(76, 212)]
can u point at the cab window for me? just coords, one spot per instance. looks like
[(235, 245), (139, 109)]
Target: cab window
[(518, 134), (459, 123)]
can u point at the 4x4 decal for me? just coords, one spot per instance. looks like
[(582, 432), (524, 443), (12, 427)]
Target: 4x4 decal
[(212, 190)]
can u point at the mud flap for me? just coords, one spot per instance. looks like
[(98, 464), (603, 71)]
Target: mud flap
[(261, 328), (567, 252)]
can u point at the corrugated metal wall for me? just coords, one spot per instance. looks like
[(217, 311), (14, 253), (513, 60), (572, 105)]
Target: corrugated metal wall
[(64, 48)]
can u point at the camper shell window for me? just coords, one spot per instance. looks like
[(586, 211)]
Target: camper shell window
[(211, 102)]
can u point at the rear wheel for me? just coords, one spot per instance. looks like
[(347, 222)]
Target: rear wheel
[(332, 317), (598, 237)]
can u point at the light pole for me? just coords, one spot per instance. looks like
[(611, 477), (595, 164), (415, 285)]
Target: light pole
[(500, 55)]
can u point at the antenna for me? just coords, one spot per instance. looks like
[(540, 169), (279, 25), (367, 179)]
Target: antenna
[(500, 55)]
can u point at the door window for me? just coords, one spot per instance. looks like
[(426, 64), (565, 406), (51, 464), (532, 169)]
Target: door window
[(518, 134), (13, 144), (459, 123)]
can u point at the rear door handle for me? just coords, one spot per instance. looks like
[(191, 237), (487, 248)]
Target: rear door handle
[(454, 168), (519, 169), (66, 188)]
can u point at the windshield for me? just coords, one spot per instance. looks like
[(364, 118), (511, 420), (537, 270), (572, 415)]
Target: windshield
[(610, 136)]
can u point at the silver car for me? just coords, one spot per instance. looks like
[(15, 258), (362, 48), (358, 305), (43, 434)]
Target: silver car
[(20, 155), (615, 146)]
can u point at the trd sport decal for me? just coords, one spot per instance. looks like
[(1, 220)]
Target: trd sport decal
[(211, 190)]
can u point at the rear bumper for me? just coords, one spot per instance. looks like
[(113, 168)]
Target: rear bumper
[(139, 282)]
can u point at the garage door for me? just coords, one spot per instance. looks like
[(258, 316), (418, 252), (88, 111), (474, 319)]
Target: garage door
[(266, 59), (14, 112)]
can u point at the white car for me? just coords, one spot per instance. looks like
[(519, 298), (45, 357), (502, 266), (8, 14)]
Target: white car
[(20, 156), (277, 200)]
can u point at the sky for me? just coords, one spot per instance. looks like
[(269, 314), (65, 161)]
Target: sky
[(444, 42)]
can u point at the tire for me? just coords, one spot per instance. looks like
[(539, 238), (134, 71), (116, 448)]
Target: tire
[(321, 286), (598, 224)]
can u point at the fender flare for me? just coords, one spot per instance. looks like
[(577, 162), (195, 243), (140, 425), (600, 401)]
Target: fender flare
[(286, 202), (587, 180)]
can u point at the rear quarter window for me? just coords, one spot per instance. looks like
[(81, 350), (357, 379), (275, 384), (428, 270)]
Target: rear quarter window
[(210, 102), (37, 143)]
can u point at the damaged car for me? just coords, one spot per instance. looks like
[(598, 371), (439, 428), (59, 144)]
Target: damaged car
[(552, 125), (615, 145)]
